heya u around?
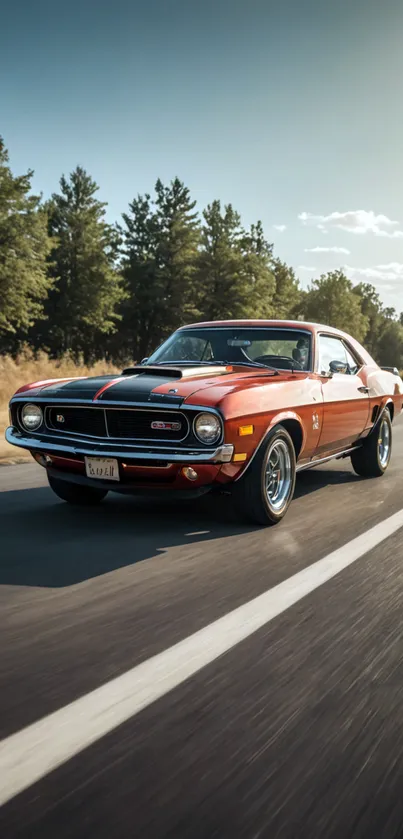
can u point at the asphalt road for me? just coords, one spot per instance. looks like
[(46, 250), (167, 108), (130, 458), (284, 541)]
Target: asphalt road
[(296, 731)]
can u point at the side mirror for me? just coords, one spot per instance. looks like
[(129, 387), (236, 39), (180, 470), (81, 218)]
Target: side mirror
[(338, 367)]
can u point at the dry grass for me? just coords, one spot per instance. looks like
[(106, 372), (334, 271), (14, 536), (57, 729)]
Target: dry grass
[(26, 368)]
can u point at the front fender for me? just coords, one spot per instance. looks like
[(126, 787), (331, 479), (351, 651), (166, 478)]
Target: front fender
[(282, 417), (235, 471)]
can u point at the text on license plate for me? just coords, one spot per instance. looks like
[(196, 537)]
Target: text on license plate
[(104, 468)]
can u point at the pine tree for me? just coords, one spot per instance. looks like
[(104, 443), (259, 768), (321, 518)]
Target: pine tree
[(220, 263), (82, 309), (141, 308), (234, 278), (287, 295), (258, 273), (178, 242), (161, 240), (24, 246)]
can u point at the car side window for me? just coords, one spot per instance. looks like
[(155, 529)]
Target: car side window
[(330, 349), (352, 362)]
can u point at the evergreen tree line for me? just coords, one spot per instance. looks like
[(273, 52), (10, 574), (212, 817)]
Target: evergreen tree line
[(71, 282)]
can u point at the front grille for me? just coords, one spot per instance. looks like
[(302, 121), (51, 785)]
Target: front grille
[(138, 425), (130, 424), (89, 421)]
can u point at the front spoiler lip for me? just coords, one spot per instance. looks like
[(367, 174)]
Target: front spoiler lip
[(221, 454)]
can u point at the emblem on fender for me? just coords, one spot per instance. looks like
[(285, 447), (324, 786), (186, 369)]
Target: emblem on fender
[(315, 422), (166, 426)]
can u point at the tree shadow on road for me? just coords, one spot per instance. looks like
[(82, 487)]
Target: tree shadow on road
[(47, 543)]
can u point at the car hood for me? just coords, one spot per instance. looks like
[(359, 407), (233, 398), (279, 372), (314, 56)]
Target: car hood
[(160, 384)]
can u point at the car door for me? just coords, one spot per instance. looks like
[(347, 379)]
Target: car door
[(346, 403)]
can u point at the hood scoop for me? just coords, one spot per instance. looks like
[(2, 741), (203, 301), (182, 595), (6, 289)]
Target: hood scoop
[(188, 372)]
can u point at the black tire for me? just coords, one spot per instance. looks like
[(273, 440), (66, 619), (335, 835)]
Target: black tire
[(251, 494), (78, 494), (372, 459)]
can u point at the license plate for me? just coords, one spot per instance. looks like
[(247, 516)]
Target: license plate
[(104, 468)]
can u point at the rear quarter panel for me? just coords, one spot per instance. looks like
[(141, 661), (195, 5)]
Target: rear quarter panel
[(383, 388)]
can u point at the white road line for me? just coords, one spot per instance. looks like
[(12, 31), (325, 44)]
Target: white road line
[(33, 752)]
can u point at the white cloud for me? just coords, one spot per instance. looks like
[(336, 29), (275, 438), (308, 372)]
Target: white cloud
[(359, 222), (334, 249), (391, 272), (280, 227), (305, 268)]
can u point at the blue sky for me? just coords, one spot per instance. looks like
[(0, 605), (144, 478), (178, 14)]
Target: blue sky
[(290, 110)]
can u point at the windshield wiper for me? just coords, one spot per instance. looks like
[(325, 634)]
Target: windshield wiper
[(251, 364), (193, 363)]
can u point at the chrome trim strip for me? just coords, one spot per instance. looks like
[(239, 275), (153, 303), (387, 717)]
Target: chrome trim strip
[(221, 454), (156, 406), (122, 444), (239, 325), (105, 409), (311, 463), (146, 465)]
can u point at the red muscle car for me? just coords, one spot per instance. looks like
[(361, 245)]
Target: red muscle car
[(235, 406)]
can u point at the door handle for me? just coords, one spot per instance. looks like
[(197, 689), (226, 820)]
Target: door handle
[(363, 389)]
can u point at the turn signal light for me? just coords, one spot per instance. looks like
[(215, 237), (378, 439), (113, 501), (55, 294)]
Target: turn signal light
[(43, 459), (244, 430)]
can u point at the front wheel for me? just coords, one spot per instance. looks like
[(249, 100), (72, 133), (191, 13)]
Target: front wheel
[(264, 493), (372, 459), (78, 494)]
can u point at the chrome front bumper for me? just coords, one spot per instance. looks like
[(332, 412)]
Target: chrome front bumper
[(74, 446)]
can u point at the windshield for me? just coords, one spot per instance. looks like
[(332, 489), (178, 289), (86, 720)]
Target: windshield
[(288, 349)]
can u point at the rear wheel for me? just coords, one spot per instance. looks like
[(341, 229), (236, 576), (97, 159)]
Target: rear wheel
[(76, 493), (264, 493), (372, 459)]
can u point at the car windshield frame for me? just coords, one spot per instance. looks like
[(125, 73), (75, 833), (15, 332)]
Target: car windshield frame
[(266, 333)]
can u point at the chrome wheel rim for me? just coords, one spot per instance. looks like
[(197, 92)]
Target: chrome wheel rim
[(384, 443), (278, 475)]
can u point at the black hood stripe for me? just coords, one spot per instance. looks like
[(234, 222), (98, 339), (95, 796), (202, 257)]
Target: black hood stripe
[(78, 388), (106, 386), (136, 388)]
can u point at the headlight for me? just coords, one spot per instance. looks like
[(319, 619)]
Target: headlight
[(207, 428), (31, 417)]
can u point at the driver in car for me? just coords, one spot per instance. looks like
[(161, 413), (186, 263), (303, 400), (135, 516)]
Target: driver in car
[(301, 353)]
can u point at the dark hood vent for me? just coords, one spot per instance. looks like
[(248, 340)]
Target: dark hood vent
[(174, 373)]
